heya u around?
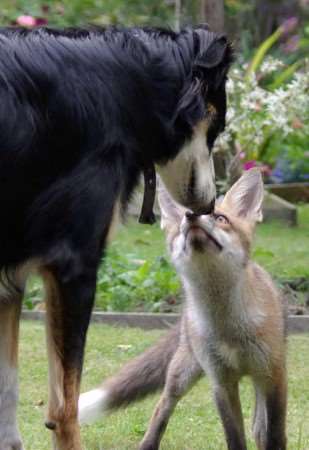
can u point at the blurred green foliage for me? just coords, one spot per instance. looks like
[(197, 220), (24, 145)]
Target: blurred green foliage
[(144, 285), (82, 12)]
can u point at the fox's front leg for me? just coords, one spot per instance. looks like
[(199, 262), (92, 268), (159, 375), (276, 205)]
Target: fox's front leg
[(276, 404), (228, 404), (183, 371), (259, 425), (270, 411)]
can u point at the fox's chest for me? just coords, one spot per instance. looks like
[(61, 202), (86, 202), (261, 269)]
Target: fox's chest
[(217, 353), (226, 345), (245, 357), (242, 356), (229, 355)]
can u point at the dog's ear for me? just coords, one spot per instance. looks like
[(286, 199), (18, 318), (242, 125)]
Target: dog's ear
[(245, 197), (209, 63), (213, 52), (214, 55), (171, 212)]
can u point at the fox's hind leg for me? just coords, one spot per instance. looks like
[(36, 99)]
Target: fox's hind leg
[(182, 373), (10, 305), (69, 304)]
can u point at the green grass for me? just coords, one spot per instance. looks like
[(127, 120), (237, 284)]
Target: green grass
[(194, 425), (283, 251)]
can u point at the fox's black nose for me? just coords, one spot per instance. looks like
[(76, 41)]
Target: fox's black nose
[(191, 216)]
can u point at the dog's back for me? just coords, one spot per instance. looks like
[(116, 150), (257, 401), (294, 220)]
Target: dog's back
[(68, 100)]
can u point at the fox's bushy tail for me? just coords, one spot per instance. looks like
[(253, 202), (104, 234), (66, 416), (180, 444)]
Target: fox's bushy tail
[(141, 376)]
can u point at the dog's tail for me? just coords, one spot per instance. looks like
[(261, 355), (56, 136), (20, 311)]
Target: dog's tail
[(141, 376)]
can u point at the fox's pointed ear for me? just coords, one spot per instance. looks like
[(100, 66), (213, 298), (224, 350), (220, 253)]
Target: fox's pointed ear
[(171, 212), (245, 197)]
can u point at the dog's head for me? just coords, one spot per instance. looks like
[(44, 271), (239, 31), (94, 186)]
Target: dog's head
[(221, 239), (200, 114)]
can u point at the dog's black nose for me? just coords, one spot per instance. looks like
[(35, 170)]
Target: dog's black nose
[(201, 211), (208, 210), (191, 216)]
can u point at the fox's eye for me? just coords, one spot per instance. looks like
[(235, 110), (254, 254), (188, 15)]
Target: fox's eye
[(222, 219)]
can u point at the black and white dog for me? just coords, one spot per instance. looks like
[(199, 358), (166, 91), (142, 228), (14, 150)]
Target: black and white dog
[(82, 113)]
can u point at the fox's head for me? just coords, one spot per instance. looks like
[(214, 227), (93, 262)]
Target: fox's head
[(222, 238)]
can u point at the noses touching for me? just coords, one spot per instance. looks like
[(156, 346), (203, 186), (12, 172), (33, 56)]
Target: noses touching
[(193, 215)]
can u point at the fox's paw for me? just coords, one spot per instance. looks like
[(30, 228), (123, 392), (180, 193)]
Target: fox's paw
[(147, 445), (11, 444), (9, 437)]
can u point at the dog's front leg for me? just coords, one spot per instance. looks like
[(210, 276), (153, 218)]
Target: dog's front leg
[(10, 304), (69, 305)]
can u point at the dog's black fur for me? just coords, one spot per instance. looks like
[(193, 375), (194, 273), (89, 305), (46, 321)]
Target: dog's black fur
[(81, 113)]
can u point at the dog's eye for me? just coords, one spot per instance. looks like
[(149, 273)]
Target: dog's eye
[(222, 219)]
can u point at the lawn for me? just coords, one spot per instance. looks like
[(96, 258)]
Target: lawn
[(194, 425)]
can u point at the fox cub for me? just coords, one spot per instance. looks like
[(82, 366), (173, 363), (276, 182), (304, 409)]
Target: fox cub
[(232, 325)]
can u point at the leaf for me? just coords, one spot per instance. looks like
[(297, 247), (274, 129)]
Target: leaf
[(141, 242), (285, 75), (262, 50)]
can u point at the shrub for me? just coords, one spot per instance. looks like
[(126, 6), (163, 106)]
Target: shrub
[(265, 124), (82, 12), (125, 284)]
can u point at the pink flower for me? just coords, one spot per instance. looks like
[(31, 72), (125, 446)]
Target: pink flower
[(249, 165), (26, 21), (292, 44), (297, 124), (289, 25), (40, 21)]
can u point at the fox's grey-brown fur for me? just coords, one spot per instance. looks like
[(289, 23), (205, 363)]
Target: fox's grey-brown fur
[(141, 376), (232, 326)]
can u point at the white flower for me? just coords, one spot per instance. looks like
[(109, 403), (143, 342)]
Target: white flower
[(255, 113)]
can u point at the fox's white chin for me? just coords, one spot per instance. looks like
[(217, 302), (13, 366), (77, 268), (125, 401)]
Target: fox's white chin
[(200, 239), (197, 239)]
